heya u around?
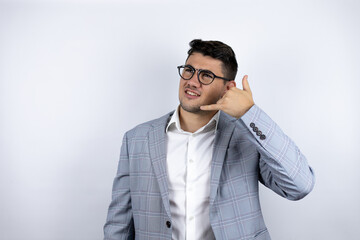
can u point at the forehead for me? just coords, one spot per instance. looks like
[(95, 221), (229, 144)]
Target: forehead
[(199, 61)]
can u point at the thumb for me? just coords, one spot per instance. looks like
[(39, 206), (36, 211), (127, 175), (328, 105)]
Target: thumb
[(245, 84)]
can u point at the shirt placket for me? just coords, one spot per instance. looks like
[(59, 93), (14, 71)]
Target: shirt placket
[(190, 218)]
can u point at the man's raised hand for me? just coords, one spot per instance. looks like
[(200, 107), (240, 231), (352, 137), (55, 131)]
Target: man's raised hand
[(235, 102)]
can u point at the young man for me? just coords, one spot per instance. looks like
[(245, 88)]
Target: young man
[(194, 173)]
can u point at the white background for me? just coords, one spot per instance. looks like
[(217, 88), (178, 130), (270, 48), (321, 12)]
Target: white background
[(75, 75)]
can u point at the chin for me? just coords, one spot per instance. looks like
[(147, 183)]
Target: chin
[(191, 109)]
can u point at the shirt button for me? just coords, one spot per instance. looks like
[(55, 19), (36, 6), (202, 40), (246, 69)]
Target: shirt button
[(191, 161), (168, 224), (191, 218)]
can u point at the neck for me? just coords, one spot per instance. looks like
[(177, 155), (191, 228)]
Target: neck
[(191, 122)]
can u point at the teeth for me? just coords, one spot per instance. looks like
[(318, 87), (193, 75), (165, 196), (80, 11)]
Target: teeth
[(191, 93)]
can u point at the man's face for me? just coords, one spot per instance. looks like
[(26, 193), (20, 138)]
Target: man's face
[(192, 93)]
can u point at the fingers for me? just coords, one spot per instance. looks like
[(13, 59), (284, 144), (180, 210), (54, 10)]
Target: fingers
[(245, 84), (211, 107)]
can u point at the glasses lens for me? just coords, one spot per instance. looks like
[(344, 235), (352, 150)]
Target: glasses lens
[(186, 72), (206, 77)]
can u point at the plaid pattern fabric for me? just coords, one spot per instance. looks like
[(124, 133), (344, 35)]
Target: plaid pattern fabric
[(242, 157)]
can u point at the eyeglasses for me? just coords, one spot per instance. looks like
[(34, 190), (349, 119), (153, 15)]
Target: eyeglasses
[(205, 77)]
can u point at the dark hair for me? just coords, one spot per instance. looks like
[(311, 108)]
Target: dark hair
[(217, 50)]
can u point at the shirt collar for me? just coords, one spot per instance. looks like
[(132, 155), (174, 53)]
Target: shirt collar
[(174, 123)]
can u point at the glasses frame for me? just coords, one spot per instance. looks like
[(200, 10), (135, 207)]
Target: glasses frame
[(198, 74)]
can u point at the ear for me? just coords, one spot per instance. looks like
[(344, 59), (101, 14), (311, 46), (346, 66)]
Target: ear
[(230, 84)]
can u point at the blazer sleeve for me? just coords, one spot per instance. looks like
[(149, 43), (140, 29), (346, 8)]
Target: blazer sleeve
[(119, 223), (283, 168)]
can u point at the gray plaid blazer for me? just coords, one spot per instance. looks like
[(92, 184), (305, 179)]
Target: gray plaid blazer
[(246, 151)]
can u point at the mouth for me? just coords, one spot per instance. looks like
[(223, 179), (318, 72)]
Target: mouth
[(191, 94)]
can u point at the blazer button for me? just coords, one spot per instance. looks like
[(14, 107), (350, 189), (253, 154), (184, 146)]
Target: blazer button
[(168, 224), (262, 137), (258, 133), (255, 129), (252, 124)]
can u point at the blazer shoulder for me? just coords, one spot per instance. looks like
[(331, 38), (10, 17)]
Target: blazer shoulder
[(143, 128)]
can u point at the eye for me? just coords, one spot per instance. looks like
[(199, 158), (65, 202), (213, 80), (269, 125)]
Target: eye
[(188, 69), (206, 74)]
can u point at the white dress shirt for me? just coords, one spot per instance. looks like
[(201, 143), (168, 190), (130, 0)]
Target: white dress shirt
[(189, 167)]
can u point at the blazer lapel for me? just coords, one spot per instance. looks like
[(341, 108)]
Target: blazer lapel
[(157, 145), (222, 138)]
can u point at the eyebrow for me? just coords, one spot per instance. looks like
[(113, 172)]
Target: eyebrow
[(200, 68)]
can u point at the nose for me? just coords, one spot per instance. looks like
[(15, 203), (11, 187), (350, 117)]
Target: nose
[(194, 80)]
